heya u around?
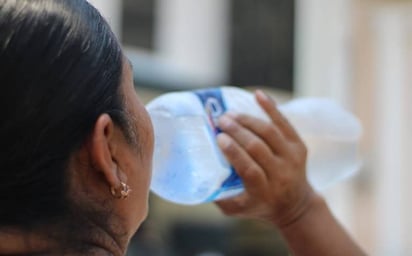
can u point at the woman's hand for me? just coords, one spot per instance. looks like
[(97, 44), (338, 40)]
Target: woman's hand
[(270, 158)]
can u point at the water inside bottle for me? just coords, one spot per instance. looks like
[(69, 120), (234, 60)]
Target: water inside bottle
[(188, 164)]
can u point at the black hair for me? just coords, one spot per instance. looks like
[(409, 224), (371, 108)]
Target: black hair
[(60, 68)]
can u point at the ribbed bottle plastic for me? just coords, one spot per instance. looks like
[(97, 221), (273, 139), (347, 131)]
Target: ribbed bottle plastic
[(189, 168)]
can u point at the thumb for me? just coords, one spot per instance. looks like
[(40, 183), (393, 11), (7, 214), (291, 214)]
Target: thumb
[(233, 206)]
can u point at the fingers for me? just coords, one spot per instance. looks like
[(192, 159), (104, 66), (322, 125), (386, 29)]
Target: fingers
[(269, 144), (270, 158), (252, 144), (277, 118), (266, 131), (254, 178)]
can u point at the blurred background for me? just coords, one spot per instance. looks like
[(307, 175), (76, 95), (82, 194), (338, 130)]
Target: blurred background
[(358, 52)]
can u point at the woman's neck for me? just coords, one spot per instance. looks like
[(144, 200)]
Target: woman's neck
[(16, 242)]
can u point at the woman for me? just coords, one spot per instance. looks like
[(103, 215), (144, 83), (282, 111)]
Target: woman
[(74, 133), (77, 145)]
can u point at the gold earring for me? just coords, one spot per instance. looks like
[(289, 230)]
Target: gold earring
[(123, 193)]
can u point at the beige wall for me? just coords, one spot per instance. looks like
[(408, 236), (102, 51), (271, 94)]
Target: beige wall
[(382, 64), (360, 53)]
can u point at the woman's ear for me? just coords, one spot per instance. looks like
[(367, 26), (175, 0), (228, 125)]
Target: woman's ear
[(102, 147)]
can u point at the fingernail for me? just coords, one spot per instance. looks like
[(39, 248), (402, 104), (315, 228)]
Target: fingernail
[(262, 95), (224, 121), (223, 140), (231, 114)]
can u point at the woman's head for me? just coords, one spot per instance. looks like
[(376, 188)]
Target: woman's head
[(64, 80)]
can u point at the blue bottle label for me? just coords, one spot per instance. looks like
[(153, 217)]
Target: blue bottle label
[(214, 105)]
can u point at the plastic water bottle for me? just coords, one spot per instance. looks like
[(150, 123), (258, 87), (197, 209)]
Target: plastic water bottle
[(189, 167)]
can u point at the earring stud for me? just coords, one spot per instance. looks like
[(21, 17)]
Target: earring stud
[(123, 193)]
